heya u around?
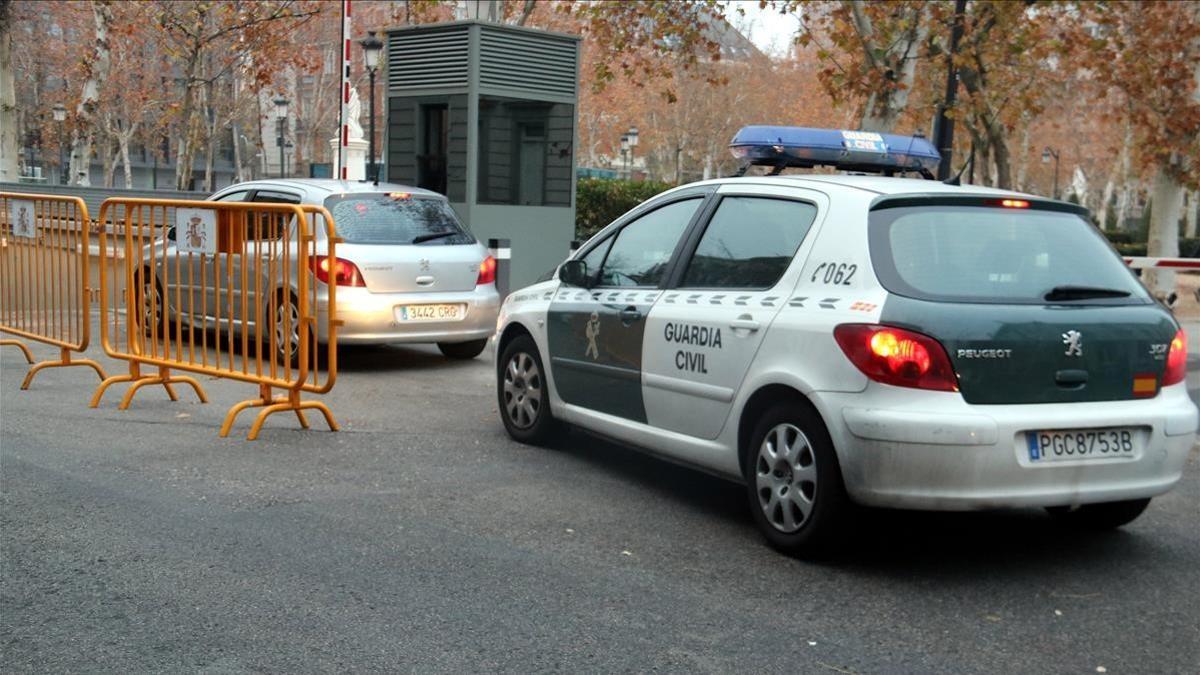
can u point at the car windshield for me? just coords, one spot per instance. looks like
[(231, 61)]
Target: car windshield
[(991, 254), (395, 218)]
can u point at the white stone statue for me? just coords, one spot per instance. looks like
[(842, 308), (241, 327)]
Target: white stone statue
[(354, 111)]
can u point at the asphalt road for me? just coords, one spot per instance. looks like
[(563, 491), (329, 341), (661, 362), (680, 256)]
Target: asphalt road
[(421, 538)]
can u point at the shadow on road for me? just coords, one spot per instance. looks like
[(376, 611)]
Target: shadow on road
[(384, 358), (905, 545)]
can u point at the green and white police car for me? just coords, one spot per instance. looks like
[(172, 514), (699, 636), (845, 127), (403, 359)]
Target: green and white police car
[(831, 340)]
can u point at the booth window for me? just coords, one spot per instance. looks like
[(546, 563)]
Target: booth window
[(525, 152)]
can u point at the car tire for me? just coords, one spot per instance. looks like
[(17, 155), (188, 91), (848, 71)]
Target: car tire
[(287, 343), (1104, 516), (523, 393), (794, 482), (463, 350), (151, 307)]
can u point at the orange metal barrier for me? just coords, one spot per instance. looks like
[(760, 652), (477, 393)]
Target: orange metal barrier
[(224, 289), (44, 294)]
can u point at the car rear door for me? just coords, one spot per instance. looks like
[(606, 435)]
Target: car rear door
[(250, 282), (596, 333), (704, 331)]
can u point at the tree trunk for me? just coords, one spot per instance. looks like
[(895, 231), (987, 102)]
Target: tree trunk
[(184, 149), (123, 142), (209, 151), (1023, 156), (884, 105), (526, 11), (1167, 200), (1110, 187), (108, 160), (8, 98), (1190, 219), (97, 72), (1123, 197)]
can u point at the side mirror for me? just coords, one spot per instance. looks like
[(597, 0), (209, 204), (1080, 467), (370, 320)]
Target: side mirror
[(171, 234), (574, 273)]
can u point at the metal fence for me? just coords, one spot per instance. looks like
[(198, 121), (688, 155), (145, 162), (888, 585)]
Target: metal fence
[(223, 289), (44, 292)]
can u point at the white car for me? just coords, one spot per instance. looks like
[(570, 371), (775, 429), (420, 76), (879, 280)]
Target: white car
[(837, 339), (406, 270)]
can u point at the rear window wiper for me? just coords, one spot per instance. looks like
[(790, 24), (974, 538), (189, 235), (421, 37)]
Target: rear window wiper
[(1083, 293), (436, 235)]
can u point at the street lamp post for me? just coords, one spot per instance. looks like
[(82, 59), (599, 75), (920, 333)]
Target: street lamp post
[(60, 116), (1046, 155), (281, 112), (632, 135), (625, 155), (371, 47)]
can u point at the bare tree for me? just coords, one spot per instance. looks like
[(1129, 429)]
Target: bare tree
[(8, 97)]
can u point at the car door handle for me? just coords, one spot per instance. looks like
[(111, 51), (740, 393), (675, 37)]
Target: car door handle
[(630, 314), (744, 324)]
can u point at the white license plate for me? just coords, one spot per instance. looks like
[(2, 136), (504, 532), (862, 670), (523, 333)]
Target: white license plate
[(1077, 444), (405, 313)]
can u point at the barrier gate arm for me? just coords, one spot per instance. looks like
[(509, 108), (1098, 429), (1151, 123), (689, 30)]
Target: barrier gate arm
[(64, 212)]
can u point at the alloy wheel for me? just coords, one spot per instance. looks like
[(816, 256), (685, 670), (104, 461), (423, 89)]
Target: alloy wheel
[(785, 475), (522, 390), (287, 329)]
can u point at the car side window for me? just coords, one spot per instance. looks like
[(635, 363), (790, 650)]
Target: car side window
[(265, 226), (595, 257), (238, 196), (749, 243), (275, 197), (642, 249)]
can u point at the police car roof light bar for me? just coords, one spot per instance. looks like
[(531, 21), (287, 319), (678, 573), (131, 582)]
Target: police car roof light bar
[(861, 151)]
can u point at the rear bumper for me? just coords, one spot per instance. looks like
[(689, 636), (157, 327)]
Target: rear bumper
[(370, 318), (932, 450)]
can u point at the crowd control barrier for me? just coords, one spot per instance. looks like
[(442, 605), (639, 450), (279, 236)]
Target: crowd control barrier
[(222, 289), (44, 294)]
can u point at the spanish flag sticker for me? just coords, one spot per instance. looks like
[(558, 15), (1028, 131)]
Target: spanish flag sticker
[(1145, 385)]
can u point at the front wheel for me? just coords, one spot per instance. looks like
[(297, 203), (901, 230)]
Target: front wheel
[(522, 393), (1106, 516), (794, 482), (463, 350)]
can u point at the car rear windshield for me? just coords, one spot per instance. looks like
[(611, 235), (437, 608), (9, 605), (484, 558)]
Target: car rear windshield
[(959, 253), (387, 218)]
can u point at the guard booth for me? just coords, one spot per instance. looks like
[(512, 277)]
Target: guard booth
[(484, 113)]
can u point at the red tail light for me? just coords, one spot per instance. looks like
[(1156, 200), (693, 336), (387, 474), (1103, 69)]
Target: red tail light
[(487, 272), (896, 356), (1176, 360), (343, 272)]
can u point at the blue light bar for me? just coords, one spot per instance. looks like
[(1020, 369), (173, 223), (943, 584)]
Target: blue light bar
[(804, 147)]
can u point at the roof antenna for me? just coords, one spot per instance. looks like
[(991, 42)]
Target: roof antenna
[(957, 179)]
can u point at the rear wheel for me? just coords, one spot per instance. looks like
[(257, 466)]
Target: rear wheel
[(794, 482), (151, 306), (522, 393), (463, 350), (1106, 516), (286, 326)]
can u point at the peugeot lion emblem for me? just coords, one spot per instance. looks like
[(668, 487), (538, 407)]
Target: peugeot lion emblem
[(424, 265), (1073, 339)]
